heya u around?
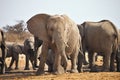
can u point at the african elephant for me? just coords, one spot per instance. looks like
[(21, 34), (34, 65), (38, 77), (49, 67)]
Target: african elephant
[(100, 37), (59, 33), (2, 52), (13, 50), (118, 54), (37, 44), (29, 52)]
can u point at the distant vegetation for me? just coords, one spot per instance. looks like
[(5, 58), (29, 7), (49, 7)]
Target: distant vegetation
[(17, 32)]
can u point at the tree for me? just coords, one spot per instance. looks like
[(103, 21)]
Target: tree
[(16, 32), (17, 28)]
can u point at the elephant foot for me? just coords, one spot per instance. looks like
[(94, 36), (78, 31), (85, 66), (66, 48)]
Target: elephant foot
[(80, 70), (112, 70), (50, 70), (74, 71), (34, 68), (93, 69), (40, 72), (26, 68), (105, 70), (60, 70), (9, 69), (16, 68), (85, 63)]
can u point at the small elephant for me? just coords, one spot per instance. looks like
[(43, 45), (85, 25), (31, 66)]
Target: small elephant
[(3, 52), (29, 52), (100, 37), (59, 33), (13, 50)]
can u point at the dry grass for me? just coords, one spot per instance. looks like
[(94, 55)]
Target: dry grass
[(12, 37)]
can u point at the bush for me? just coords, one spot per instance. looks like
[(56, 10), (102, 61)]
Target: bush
[(12, 37)]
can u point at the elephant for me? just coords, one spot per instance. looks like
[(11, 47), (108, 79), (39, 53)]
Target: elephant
[(29, 52), (118, 54), (59, 33), (100, 37), (13, 50), (37, 44), (3, 51)]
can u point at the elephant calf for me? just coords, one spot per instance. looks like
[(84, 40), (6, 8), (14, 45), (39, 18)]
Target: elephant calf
[(13, 50), (29, 52)]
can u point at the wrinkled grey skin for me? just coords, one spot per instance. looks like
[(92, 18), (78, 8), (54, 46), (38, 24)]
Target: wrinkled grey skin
[(29, 52), (2, 52), (13, 51), (100, 37), (37, 44), (60, 34)]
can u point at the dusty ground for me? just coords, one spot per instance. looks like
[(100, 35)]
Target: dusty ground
[(21, 74)]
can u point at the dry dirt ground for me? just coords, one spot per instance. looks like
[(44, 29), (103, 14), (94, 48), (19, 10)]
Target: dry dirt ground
[(22, 74)]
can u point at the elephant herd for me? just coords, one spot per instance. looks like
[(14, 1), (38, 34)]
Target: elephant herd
[(60, 39)]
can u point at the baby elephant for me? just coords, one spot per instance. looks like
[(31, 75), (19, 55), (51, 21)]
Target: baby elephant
[(13, 51), (29, 52)]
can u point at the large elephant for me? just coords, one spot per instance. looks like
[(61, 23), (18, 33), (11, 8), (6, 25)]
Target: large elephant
[(13, 50), (59, 33), (2, 52), (29, 52), (100, 37)]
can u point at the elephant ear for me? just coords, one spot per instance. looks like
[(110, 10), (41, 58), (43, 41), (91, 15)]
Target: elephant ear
[(37, 26)]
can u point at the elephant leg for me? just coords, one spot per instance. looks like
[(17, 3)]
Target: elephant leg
[(92, 66), (43, 59), (112, 66), (11, 63), (17, 59), (84, 59), (35, 59), (74, 58), (32, 62), (118, 61), (58, 69), (27, 62), (50, 66), (2, 67), (80, 61), (106, 62)]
